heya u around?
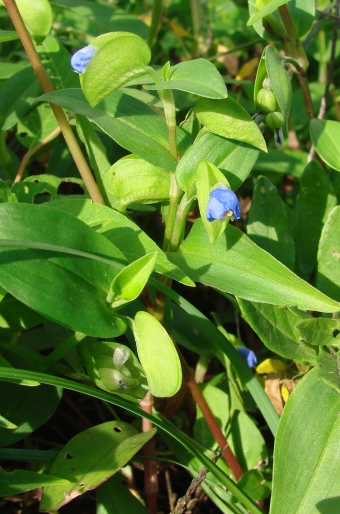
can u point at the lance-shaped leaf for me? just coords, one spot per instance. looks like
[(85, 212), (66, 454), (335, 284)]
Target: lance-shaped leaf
[(236, 265), (328, 273), (158, 355), (228, 119), (21, 480), (325, 135), (60, 267), (307, 452), (234, 159), (199, 77)]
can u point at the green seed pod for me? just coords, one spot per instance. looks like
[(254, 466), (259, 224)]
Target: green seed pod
[(275, 120), (266, 101)]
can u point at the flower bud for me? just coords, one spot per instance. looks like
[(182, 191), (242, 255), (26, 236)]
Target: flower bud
[(266, 101), (266, 84)]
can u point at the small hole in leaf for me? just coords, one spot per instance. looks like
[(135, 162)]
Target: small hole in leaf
[(69, 188), (36, 181), (335, 332), (42, 198), (69, 456), (117, 429), (81, 484)]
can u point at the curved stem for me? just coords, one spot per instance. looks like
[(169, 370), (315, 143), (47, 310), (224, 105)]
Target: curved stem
[(46, 84)]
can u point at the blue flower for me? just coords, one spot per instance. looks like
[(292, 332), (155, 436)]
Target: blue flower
[(223, 202), (82, 57), (248, 355)]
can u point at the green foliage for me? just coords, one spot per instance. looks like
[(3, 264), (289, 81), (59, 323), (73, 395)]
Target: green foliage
[(90, 266)]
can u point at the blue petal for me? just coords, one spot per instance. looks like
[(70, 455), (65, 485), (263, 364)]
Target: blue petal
[(82, 57), (221, 202), (248, 355), (215, 210)]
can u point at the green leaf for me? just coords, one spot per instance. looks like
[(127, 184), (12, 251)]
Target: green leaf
[(263, 8), (128, 121), (128, 284), (56, 61), (124, 233), (17, 95), (246, 440), (8, 35), (328, 272), (303, 14), (268, 225), (134, 180), (37, 16), (279, 80), (320, 331), (20, 481), (35, 126), (69, 283), (228, 119), (306, 454), (16, 316), (120, 57), (315, 201), (236, 265), (254, 484), (325, 135), (109, 447), (281, 161), (158, 355), (42, 186), (199, 77), (276, 328), (5, 423), (114, 497), (235, 160), (328, 367), (26, 407)]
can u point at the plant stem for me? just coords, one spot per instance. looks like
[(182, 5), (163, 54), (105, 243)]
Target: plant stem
[(46, 84), (210, 419), (294, 49), (150, 467), (155, 19), (33, 151)]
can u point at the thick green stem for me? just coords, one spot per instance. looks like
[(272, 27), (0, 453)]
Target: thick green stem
[(46, 84), (182, 212)]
